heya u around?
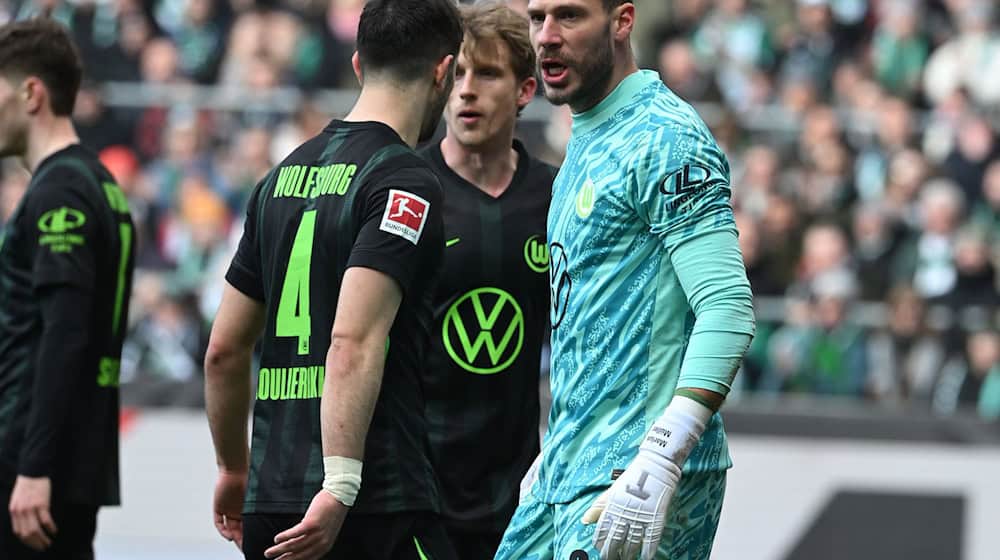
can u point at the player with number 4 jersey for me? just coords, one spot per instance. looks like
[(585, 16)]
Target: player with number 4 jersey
[(341, 247), (354, 196)]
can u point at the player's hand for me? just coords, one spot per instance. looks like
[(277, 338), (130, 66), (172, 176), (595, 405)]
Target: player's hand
[(29, 512), (631, 514), (227, 505), (315, 534), (529, 479)]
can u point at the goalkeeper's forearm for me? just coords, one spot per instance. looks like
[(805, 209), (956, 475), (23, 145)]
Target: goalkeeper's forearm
[(711, 272)]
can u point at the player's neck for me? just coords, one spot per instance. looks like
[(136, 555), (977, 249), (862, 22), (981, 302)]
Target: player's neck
[(490, 167), (389, 104), (625, 66), (49, 135)]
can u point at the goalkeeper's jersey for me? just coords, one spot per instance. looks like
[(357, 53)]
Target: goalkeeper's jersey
[(642, 175)]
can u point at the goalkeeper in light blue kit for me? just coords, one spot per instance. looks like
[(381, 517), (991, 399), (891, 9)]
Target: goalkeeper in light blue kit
[(651, 308)]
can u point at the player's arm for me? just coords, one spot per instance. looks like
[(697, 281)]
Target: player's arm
[(711, 272), (685, 199), (366, 310), (237, 326), (66, 239), (686, 204), (355, 361)]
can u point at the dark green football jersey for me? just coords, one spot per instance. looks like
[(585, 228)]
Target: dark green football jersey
[(355, 195), (59, 355), (490, 315)]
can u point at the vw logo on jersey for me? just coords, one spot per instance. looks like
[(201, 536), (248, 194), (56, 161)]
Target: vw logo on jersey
[(487, 319), (585, 199), (536, 254), (560, 284)]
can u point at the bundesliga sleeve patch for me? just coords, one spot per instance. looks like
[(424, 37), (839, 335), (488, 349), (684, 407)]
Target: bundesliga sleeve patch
[(405, 215)]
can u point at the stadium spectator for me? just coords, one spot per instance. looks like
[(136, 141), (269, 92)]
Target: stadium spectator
[(820, 351), (986, 212), (876, 242), (825, 249), (969, 60), (927, 258), (892, 136), (199, 39), (758, 180), (733, 41), (908, 171), (687, 78), (900, 47), (971, 380), (813, 48), (161, 360), (975, 273), (905, 357), (975, 146)]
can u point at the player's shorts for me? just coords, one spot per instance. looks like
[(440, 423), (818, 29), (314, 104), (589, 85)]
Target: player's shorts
[(74, 541), (472, 544), (541, 531), (395, 536)]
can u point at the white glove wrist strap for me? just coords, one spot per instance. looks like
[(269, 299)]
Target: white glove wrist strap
[(342, 478), (677, 431)]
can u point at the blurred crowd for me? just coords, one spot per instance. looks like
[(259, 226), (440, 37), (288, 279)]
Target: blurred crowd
[(862, 136)]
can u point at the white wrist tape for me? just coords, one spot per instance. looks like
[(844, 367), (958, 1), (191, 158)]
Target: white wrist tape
[(677, 431), (342, 478)]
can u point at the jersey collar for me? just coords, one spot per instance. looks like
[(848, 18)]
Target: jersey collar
[(619, 97), (523, 163)]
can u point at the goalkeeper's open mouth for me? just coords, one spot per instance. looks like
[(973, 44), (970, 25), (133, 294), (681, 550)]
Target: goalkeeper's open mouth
[(554, 72)]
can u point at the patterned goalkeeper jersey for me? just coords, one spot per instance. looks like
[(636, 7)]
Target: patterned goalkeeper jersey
[(642, 176)]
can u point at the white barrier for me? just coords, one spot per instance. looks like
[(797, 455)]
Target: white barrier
[(778, 487)]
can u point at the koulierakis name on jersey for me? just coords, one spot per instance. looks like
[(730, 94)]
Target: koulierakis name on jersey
[(307, 181), (280, 384)]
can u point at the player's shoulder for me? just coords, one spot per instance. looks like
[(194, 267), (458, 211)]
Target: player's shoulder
[(402, 162), (75, 167), (666, 108), (398, 167), (670, 119), (74, 174), (674, 135)]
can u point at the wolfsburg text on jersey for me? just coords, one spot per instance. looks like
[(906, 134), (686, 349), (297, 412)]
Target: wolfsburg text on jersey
[(308, 181)]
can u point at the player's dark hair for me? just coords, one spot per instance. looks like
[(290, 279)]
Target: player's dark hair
[(612, 4), (406, 38), (42, 47)]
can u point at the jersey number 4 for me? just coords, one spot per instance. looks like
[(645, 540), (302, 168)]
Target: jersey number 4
[(293, 318)]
